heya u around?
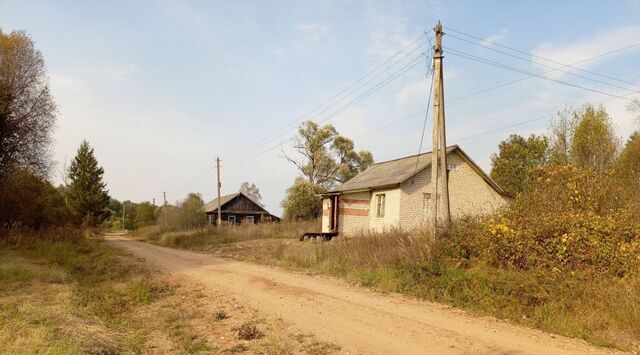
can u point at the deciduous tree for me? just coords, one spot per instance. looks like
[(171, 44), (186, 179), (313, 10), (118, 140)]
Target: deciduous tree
[(252, 192), (327, 158), (594, 144), (628, 166), (27, 109), (144, 215), (302, 200), (515, 158), (191, 213)]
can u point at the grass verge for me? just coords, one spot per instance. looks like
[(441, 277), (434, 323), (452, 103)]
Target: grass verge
[(601, 309), (67, 294)]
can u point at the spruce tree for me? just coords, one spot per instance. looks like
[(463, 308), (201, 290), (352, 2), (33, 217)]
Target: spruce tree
[(87, 196)]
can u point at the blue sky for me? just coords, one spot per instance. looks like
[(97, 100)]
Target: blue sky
[(160, 88)]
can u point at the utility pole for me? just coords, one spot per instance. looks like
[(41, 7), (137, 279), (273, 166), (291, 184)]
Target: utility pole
[(439, 151), (219, 185), (164, 208), (124, 207)]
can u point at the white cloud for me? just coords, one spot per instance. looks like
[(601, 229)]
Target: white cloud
[(595, 45), (498, 37)]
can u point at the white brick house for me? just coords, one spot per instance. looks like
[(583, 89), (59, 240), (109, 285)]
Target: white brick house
[(397, 194)]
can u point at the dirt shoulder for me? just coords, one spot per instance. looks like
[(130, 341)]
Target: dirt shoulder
[(88, 297), (359, 320)]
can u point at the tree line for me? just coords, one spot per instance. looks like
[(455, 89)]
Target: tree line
[(584, 138), (27, 117)]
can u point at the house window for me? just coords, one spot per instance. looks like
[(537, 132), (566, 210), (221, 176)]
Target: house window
[(380, 205), (426, 201), (250, 219), (231, 219)]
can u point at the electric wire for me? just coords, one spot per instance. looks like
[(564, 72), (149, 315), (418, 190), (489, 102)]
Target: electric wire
[(522, 71), (350, 86), (544, 65), (547, 59)]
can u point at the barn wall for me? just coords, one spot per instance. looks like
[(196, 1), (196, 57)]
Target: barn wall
[(241, 204)]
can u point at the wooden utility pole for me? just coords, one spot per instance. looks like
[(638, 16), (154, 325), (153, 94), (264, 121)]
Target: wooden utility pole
[(164, 209), (219, 185), (439, 176)]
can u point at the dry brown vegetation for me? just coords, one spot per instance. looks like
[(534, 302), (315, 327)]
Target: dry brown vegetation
[(62, 293), (209, 236), (563, 257)]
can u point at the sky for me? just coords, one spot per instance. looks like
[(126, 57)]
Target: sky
[(160, 88)]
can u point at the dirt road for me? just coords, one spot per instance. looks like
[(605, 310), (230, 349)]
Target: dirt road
[(358, 320)]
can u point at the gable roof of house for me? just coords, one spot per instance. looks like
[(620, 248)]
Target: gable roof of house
[(394, 172), (212, 206)]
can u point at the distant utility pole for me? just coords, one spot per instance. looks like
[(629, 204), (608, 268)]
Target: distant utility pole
[(439, 151), (164, 208), (124, 207), (219, 185)]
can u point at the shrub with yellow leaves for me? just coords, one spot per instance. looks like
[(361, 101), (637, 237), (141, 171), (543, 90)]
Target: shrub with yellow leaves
[(567, 219)]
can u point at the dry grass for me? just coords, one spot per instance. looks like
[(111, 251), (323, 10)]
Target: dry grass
[(603, 310), (212, 236), (80, 295)]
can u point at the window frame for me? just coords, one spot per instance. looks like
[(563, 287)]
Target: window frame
[(251, 219), (232, 219), (380, 205)]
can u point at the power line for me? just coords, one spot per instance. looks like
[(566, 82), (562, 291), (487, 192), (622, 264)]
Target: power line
[(500, 85), (424, 125), (352, 85), (546, 59), (526, 121), (544, 65), (265, 140), (518, 70), (371, 91)]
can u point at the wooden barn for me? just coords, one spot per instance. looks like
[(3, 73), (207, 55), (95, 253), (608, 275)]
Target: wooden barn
[(237, 208)]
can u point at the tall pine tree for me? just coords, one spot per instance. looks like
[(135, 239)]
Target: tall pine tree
[(86, 191)]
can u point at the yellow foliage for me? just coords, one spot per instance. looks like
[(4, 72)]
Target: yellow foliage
[(567, 219)]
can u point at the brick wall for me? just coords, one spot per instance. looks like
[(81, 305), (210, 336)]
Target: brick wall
[(391, 217), (353, 213), (469, 194)]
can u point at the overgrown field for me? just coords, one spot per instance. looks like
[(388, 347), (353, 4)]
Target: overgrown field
[(63, 293), (563, 257)]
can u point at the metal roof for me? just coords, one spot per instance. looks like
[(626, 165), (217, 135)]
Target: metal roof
[(394, 172)]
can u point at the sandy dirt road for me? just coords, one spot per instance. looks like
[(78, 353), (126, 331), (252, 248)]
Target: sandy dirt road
[(360, 321)]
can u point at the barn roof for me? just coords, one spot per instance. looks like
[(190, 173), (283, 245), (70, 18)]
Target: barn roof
[(212, 206), (394, 172)]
